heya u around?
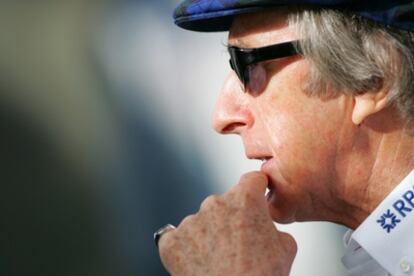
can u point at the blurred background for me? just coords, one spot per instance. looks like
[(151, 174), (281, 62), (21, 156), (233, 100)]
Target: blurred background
[(105, 111)]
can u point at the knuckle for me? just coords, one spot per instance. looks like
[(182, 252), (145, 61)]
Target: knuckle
[(188, 221), (289, 243), (212, 202)]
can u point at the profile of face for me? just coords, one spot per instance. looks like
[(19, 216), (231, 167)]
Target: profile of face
[(300, 138)]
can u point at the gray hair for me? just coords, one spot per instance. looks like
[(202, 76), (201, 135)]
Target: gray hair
[(353, 55)]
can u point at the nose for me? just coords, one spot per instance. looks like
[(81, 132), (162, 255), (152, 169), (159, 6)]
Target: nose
[(231, 113)]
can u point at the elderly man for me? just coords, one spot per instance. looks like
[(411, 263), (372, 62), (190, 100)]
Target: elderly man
[(323, 93)]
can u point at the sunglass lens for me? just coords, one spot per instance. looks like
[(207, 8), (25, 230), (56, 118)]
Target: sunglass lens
[(255, 79)]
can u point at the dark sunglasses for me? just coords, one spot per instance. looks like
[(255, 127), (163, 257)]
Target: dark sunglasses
[(244, 61)]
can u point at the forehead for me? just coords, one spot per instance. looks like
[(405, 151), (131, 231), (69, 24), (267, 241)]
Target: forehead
[(261, 29)]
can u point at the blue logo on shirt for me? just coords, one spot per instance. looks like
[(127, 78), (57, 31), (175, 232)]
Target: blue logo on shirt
[(388, 221), (402, 208)]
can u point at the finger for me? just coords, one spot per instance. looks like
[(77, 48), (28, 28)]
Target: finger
[(254, 183), (168, 248), (166, 240)]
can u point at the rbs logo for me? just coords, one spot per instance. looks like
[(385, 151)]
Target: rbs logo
[(400, 209)]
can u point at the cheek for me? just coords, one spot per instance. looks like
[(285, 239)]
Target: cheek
[(311, 139), (300, 137), (293, 143), (302, 131), (304, 162)]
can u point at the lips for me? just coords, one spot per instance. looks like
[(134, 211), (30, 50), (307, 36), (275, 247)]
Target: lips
[(277, 196), (261, 157), (266, 167), (266, 160)]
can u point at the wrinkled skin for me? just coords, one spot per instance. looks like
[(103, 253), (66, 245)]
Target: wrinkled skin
[(232, 234), (320, 165)]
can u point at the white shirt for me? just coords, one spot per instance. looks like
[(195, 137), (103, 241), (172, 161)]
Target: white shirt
[(384, 243)]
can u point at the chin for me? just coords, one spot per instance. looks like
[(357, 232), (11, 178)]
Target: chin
[(281, 213), (281, 219), (282, 209)]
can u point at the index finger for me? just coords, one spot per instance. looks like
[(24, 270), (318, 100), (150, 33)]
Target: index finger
[(253, 182)]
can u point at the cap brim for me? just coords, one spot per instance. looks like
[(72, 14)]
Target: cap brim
[(217, 21)]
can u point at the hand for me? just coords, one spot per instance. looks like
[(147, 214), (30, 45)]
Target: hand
[(232, 234)]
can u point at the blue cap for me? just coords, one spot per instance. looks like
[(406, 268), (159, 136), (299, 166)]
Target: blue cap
[(217, 15)]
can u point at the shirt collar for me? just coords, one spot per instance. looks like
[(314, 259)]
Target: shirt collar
[(387, 234)]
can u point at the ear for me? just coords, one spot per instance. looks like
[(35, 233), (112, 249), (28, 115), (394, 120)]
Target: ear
[(367, 104)]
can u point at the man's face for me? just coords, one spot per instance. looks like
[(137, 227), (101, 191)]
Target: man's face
[(300, 137)]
